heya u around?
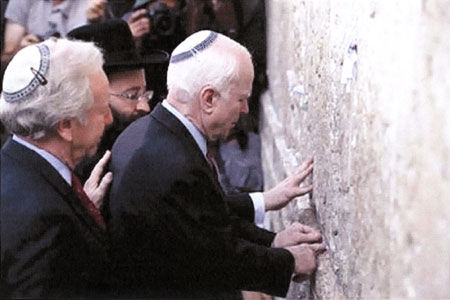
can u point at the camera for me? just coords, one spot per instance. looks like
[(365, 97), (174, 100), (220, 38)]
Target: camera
[(163, 20)]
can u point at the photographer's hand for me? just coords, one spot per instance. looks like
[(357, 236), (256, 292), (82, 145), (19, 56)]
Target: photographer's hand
[(139, 25), (95, 10)]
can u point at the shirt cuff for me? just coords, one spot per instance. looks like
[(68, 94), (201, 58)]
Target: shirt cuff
[(260, 208)]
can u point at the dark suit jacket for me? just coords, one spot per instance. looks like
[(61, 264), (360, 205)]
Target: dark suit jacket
[(50, 246), (172, 232)]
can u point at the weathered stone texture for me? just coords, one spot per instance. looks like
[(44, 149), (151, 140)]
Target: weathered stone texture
[(381, 141)]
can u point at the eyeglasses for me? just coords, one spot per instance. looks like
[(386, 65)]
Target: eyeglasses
[(134, 95)]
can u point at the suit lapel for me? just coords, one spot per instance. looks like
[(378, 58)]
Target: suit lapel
[(175, 126), (35, 163), (171, 122)]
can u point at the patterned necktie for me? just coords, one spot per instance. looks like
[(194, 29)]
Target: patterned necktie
[(93, 211)]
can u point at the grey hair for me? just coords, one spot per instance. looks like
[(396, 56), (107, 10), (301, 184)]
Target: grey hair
[(67, 94), (215, 65)]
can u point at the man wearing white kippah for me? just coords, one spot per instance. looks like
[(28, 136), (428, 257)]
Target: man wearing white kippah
[(173, 234), (55, 102)]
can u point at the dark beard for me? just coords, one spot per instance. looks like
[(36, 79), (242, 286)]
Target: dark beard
[(121, 122)]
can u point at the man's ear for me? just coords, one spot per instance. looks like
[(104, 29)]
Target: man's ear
[(64, 129), (207, 97)]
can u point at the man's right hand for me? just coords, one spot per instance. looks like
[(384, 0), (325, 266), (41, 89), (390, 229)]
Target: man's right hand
[(305, 257)]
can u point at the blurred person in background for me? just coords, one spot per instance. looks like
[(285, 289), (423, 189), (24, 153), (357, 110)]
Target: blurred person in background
[(29, 22), (156, 24)]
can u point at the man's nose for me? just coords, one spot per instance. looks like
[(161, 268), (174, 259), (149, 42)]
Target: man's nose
[(108, 117), (143, 106), (244, 107)]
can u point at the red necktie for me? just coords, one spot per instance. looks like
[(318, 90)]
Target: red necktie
[(93, 211), (210, 155)]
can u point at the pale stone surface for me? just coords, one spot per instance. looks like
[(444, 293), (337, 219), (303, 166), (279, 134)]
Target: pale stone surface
[(381, 141)]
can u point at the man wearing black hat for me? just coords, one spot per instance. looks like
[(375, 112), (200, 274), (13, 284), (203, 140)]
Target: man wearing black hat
[(124, 68)]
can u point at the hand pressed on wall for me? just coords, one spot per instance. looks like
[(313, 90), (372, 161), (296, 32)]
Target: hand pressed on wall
[(284, 192), (305, 256), (295, 234)]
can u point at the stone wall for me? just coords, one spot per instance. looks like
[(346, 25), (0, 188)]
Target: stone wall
[(364, 88)]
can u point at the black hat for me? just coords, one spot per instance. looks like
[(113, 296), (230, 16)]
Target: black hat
[(119, 50), (140, 3)]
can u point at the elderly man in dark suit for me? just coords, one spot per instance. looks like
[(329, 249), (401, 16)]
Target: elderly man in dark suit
[(55, 101), (173, 234)]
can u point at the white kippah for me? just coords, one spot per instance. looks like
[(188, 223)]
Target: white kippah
[(26, 72), (197, 42)]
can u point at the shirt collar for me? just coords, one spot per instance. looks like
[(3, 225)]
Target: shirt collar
[(196, 134), (62, 169)]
